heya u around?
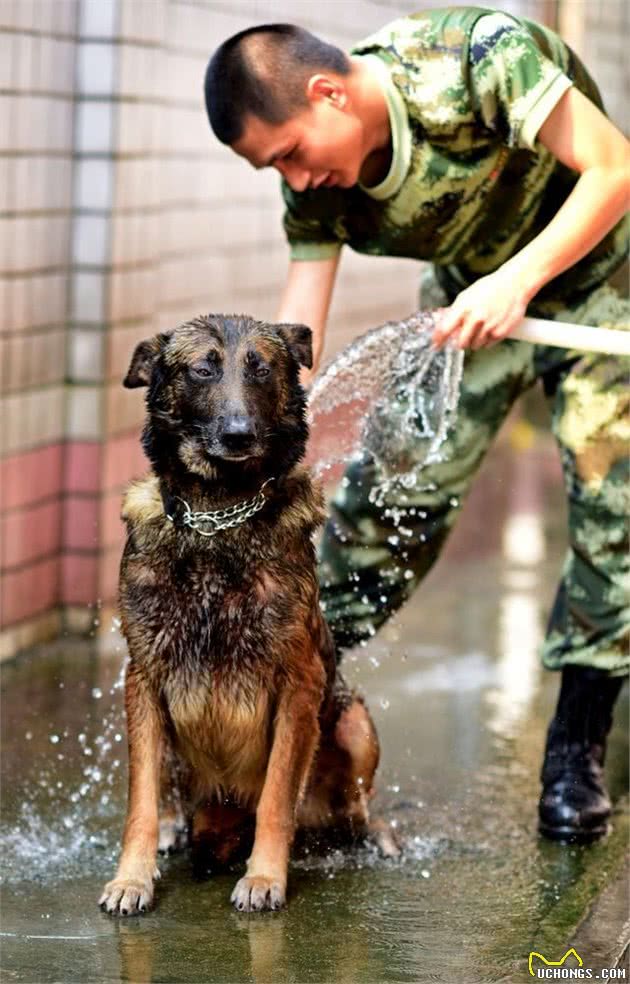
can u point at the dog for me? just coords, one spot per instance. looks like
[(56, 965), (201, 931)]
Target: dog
[(231, 686)]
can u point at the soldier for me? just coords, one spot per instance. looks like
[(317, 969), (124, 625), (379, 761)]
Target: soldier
[(478, 141)]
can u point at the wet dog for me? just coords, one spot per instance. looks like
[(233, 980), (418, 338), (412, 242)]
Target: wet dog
[(231, 686)]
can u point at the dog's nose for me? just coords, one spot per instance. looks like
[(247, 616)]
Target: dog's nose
[(238, 433)]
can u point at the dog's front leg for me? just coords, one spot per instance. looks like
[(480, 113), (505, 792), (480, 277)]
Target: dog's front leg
[(296, 736), (131, 890)]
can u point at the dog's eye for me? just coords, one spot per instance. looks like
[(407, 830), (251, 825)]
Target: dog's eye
[(206, 372), (261, 371)]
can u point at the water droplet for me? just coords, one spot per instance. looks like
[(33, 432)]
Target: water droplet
[(408, 575), (54, 739), (97, 692)]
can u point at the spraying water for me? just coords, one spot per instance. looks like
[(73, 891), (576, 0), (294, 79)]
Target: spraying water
[(392, 366)]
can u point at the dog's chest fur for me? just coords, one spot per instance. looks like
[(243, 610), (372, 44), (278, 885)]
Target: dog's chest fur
[(216, 619)]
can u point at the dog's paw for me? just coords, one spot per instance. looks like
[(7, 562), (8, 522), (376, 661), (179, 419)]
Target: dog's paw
[(255, 892), (127, 896), (383, 837)]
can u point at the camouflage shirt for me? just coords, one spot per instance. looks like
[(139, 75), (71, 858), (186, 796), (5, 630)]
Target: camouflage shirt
[(469, 184)]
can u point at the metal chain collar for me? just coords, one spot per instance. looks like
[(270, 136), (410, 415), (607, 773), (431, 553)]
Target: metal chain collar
[(222, 519)]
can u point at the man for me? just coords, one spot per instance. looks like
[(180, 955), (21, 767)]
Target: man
[(476, 140)]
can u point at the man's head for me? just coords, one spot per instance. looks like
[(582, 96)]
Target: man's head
[(279, 96)]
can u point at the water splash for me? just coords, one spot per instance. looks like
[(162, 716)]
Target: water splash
[(393, 396), (68, 819)]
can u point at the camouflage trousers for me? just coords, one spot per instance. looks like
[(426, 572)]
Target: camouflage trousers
[(368, 570)]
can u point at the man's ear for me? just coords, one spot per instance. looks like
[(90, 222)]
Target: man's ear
[(142, 360), (322, 87), (298, 339)]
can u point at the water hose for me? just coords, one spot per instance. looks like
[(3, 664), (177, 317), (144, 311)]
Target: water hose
[(614, 341), (395, 365)]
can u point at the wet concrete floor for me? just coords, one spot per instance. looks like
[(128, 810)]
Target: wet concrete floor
[(461, 705)]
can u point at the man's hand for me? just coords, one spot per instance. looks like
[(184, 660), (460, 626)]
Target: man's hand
[(307, 376), (484, 313)]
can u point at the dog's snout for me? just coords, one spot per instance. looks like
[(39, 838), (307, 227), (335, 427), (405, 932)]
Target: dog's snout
[(238, 433)]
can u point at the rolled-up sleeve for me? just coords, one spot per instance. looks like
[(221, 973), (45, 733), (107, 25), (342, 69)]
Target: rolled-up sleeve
[(309, 230), (514, 86)]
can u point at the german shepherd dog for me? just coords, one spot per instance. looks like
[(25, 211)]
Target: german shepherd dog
[(231, 685)]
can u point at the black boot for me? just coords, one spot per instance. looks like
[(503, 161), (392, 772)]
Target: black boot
[(575, 805)]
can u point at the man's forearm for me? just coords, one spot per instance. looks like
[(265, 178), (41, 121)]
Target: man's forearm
[(306, 299), (598, 201)]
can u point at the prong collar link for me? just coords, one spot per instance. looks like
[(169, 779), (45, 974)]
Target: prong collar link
[(222, 519)]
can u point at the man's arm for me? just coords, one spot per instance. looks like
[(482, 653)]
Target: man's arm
[(580, 136), (306, 299)]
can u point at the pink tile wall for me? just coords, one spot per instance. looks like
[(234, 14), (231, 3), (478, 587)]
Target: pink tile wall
[(79, 578), (27, 591), (82, 466), (123, 459), (31, 476), (80, 522), (29, 534)]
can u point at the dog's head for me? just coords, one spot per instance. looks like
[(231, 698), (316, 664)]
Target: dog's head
[(224, 393)]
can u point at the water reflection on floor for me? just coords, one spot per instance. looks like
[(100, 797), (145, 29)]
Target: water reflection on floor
[(461, 706)]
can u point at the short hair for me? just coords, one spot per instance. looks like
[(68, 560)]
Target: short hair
[(263, 71)]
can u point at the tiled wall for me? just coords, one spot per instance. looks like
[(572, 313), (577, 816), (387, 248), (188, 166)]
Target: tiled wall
[(37, 52), (122, 216)]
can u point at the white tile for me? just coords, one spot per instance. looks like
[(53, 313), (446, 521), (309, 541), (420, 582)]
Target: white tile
[(23, 14), (64, 65), (5, 304), (7, 14), (66, 15), (95, 68), (7, 54), (83, 415), (15, 245), (23, 191), (8, 130), (58, 181), (91, 240), (43, 77), (6, 184), (98, 18), (94, 127), (93, 187), (23, 62), (154, 19), (30, 418), (87, 301), (24, 118), (18, 292), (86, 355), (43, 15)]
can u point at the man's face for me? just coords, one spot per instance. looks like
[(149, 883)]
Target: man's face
[(322, 145)]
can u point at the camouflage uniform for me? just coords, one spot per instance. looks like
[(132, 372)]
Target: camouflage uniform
[(469, 185)]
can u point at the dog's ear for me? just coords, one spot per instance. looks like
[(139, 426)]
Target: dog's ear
[(141, 365), (298, 339)]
